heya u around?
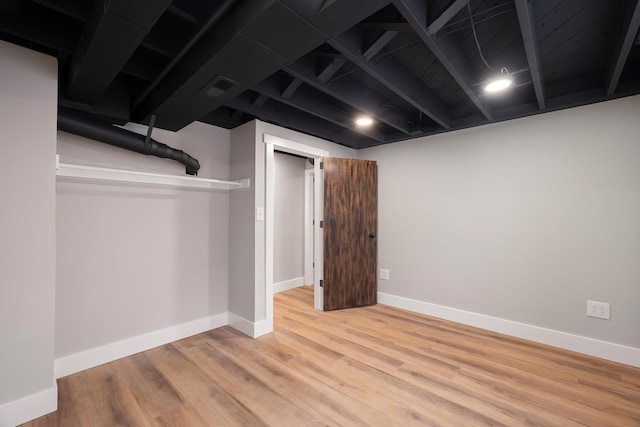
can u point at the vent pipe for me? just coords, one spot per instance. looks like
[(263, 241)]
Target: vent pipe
[(98, 130)]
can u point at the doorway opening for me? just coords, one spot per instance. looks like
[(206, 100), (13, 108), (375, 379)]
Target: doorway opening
[(293, 253), (273, 144)]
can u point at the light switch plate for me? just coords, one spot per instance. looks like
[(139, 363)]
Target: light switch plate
[(259, 214)]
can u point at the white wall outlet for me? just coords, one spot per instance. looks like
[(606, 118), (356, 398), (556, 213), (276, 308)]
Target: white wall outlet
[(601, 310), (384, 274)]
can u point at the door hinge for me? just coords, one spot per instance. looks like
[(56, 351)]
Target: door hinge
[(321, 165), (322, 283), (321, 224)]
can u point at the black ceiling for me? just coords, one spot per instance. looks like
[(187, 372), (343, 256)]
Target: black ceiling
[(313, 65)]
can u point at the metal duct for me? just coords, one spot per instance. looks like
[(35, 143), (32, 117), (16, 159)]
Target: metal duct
[(109, 134)]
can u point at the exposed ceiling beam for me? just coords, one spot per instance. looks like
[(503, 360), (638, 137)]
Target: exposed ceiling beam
[(530, 41), (295, 120), (316, 104), (400, 26), (108, 41), (394, 76), (42, 30), (202, 31), (291, 88), (184, 15), (379, 44), (331, 69), (352, 92), (446, 16), (630, 26), (260, 101), (445, 49)]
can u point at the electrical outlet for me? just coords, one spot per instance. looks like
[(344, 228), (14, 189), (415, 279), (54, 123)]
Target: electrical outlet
[(384, 274), (601, 310)]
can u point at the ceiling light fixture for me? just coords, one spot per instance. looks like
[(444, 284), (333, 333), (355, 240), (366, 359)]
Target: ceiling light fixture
[(500, 82), (364, 121)]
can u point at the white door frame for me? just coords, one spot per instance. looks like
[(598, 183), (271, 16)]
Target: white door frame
[(273, 143), (309, 215)]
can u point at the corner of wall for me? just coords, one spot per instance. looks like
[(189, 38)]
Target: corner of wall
[(249, 328), (27, 306)]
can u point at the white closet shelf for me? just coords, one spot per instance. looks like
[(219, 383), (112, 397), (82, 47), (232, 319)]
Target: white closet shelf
[(69, 172)]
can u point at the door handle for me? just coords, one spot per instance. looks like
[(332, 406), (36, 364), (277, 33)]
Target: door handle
[(372, 235)]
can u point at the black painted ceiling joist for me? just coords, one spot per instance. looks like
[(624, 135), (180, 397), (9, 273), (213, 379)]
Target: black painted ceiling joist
[(331, 69), (379, 44), (316, 104), (211, 21), (444, 48), (391, 74), (291, 88), (447, 16), (530, 41), (294, 120), (113, 33), (629, 30), (352, 92)]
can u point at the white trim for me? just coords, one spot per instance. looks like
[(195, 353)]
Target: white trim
[(30, 407), (241, 324), (93, 173), (293, 147), (269, 172), (603, 349), (263, 327), (308, 225), (77, 362), (288, 284), (249, 328)]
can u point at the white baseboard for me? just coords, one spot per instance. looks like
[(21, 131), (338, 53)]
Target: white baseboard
[(605, 350), (288, 284), (77, 362), (30, 407), (247, 327)]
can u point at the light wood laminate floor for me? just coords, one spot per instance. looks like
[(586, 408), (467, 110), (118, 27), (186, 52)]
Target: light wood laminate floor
[(373, 366)]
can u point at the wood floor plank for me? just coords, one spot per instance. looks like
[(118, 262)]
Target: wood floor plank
[(253, 392), (374, 366), (209, 400), (153, 393)]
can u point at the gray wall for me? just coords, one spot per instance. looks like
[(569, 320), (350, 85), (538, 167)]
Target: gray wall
[(134, 259), (288, 233), (522, 220), (28, 105), (242, 224)]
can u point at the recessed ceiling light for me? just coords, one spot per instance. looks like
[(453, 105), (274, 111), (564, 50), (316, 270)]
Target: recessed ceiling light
[(364, 121)]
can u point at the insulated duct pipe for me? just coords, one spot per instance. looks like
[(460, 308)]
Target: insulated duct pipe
[(98, 130)]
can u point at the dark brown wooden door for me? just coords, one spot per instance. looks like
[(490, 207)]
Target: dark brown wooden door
[(350, 227)]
